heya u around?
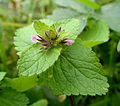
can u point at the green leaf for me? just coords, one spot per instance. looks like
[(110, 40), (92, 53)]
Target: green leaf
[(22, 83), (12, 98), (90, 3), (42, 102), (40, 28), (118, 47), (22, 40), (110, 14), (77, 71), (98, 34), (71, 27), (36, 60), (74, 5), (2, 75)]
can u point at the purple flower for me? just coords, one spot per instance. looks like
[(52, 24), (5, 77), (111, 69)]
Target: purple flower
[(37, 38), (59, 29), (49, 41), (67, 42), (43, 42), (34, 39)]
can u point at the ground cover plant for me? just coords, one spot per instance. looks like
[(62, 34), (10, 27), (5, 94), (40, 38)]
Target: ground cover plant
[(59, 52)]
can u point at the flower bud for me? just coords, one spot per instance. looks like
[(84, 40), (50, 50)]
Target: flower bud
[(67, 42), (34, 38)]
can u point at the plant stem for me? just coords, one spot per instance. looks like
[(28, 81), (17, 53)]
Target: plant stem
[(72, 100), (13, 24)]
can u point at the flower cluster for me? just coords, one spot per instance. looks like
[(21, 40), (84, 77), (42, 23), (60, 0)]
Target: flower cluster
[(50, 41)]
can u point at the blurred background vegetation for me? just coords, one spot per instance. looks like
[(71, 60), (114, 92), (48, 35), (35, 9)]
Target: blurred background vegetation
[(19, 13), (15, 14)]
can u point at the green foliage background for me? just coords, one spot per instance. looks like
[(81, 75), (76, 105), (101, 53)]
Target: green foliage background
[(19, 13)]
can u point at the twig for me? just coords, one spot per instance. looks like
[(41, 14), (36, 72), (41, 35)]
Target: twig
[(72, 100)]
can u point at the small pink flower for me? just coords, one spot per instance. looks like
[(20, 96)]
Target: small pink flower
[(68, 42), (34, 38)]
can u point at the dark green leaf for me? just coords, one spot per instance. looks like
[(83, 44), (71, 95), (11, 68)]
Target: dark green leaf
[(22, 83), (12, 98), (42, 102), (77, 71)]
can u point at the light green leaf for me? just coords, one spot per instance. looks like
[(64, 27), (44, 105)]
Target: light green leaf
[(99, 33), (36, 60), (74, 5), (22, 83), (12, 98), (90, 3), (118, 47), (22, 40), (77, 71), (71, 26), (110, 14), (2, 75), (40, 28), (42, 102)]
